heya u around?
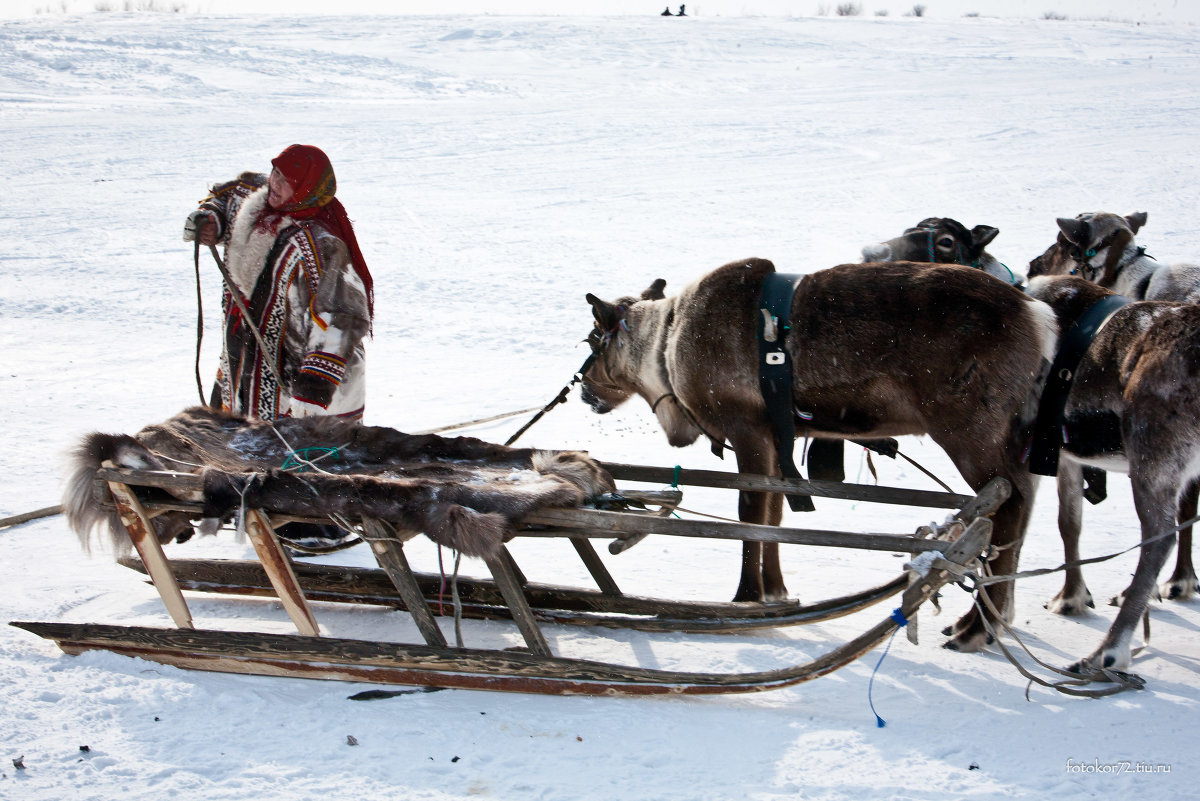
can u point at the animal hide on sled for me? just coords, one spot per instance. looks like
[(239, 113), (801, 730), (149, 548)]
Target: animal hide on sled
[(462, 493)]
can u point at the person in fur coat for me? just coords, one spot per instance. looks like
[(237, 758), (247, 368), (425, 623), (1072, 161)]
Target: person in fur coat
[(291, 255)]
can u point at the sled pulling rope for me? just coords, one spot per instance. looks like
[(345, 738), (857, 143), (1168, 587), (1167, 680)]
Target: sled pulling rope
[(251, 323), (1073, 683), (199, 324)]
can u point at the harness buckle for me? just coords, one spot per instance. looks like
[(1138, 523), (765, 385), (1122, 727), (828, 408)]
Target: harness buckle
[(770, 328)]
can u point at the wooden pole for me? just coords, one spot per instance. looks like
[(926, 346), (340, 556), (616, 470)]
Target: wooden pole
[(279, 570), (25, 517), (145, 541)]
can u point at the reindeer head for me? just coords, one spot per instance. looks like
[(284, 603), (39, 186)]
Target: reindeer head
[(1090, 245), (937, 240), (1056, 260), (613, 376)]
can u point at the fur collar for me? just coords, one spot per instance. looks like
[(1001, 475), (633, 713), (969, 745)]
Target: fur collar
[(249, 246)]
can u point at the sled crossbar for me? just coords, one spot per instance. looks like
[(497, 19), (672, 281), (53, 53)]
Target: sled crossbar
[(756, 483)]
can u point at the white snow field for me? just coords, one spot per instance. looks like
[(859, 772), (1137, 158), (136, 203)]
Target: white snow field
[(498, 167)]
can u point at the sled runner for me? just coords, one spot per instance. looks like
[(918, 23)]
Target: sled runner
[(141, 495)]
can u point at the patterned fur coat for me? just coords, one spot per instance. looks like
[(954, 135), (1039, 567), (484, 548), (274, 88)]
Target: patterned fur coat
[(311, 308)]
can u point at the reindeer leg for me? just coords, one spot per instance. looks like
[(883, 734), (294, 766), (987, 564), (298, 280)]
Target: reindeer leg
[(750, 586), (1008, 530), (1183, 583), (1154, 499), (1073, 598), (762, 576), (772, 571)]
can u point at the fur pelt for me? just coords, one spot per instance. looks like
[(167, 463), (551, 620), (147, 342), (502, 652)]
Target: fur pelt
[(463, 493)]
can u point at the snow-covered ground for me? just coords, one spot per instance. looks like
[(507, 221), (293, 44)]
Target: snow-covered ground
[(498, 168)]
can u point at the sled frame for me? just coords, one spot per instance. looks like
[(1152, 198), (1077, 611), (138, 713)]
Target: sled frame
[(536, 669)]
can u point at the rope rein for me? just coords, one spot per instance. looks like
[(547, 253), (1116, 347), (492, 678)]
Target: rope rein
[(993, 579), (199, 326), (1119, 680)]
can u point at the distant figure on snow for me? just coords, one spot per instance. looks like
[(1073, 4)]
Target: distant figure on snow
[(667, 12), (681, 14)]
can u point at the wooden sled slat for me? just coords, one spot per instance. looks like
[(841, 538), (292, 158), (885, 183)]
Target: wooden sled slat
[(278, 568), (145, 542), (386, 663), (822, 489), (389, 552), (481, 599), (598, 523)]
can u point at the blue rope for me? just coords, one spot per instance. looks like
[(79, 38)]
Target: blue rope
[(675, 478), (901, 621), (299, 459)]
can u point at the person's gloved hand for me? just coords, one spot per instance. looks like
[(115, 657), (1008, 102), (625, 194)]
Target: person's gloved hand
[(200, 225)]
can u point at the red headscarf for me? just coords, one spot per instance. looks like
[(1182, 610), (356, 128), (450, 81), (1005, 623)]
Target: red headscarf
[(309, 173)]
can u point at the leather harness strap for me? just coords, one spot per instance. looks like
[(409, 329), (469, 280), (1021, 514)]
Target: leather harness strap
[(775, 373), (1048, 427)]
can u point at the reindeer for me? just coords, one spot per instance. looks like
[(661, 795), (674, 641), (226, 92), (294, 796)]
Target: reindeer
[(1100, 247), (946, 241), (877, 350), (1133, 406), (943, 240)]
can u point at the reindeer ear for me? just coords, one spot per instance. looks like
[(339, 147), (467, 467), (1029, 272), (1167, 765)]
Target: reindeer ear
[(655, 290), (1075, 230), (1136, 220), (605, 313), (982, 235)]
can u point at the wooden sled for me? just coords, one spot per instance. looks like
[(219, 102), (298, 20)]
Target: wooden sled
[(138, 495)]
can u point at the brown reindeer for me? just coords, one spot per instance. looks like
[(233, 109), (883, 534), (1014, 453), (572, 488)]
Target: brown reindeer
[(1133, 406), (877, 350), (943, 240), (1100, 247)]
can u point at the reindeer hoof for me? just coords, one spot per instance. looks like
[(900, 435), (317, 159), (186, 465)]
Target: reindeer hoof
[(1119, 600), (1068, 608), (1070, 604), (967, 643), (1112, 658), (1179, 589)]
